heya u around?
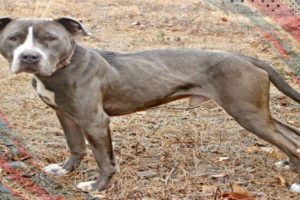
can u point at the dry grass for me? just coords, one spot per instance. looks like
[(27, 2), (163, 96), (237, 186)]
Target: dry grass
[(166, 152)]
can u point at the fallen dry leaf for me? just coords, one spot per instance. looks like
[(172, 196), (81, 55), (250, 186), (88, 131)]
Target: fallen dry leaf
[(236, 188), (267, 149), (98, 195), (235, 196), (283, 101), (219, 175), (256, 149), (224, 19), (281, 180), (209, 189), (252, 149), (238, 193), (223, 158)]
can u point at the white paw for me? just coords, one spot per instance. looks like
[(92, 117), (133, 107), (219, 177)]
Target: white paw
[(86, 186), (283, 164), (295, 187), (56, 170)]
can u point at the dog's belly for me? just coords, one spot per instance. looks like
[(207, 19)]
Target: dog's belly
[(117, 107)]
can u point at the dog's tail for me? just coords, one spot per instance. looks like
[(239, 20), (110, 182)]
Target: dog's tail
[(276, 79)]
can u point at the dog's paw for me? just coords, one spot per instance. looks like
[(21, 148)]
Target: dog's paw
[(56, 170), (295, 187), (86, 186), (283, 164)]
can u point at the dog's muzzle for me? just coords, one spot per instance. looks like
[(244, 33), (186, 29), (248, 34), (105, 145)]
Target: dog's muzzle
[(29, 61)]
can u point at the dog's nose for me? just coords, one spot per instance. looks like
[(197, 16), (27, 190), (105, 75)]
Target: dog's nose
[(30, 57)]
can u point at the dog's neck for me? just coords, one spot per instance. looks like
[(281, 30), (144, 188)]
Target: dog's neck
[(67, 59), (68, 65)]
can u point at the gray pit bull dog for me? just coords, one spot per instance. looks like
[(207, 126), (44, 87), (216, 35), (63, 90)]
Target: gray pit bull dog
[(87, 86)]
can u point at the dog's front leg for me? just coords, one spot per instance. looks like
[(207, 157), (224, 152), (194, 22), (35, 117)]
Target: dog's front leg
[(76, 143), (97, 132)]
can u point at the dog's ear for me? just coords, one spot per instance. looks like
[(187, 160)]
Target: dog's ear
[(4, 21), (73, 26)]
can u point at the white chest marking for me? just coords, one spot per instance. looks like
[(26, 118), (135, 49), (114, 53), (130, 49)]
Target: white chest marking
[(47, 95)]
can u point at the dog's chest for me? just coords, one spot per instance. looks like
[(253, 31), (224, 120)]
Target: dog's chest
[(46, 95)]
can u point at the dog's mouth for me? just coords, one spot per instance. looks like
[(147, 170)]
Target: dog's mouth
[(23, 67), (32, 69)]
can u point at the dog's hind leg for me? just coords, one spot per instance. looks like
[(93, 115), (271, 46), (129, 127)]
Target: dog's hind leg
[(76, 143), (284, 136), (246, 99), (293, 134)]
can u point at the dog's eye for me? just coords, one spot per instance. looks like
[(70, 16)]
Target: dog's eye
[(13, 38), (51, 38)]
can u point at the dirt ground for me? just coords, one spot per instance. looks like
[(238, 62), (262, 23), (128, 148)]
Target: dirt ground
[(168, 152)]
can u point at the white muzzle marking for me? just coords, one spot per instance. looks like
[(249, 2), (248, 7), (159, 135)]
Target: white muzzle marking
[(27, 45)]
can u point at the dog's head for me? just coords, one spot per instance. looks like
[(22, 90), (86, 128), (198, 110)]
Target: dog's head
[(39, 46)]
